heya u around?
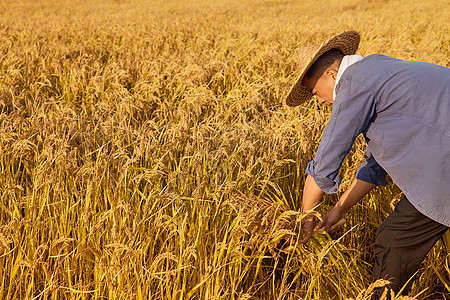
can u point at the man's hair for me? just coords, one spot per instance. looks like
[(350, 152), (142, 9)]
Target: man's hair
[(323, 62)]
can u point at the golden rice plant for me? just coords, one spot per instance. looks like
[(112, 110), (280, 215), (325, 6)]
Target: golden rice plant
[(145, 152)]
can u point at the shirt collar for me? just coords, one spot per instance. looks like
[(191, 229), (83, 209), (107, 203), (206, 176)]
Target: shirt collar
[(347, 61)]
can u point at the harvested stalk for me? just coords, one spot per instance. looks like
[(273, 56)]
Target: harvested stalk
[(270, 223)]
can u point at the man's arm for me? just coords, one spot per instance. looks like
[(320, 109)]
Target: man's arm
[(312, 195), (357, 190), (352, 111)]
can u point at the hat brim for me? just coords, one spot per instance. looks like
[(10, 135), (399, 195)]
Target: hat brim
[(347, 42)]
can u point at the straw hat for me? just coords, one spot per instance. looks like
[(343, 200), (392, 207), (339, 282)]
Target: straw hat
[(347, 42)]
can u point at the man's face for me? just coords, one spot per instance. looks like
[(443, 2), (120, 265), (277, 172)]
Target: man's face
[(322, 87)]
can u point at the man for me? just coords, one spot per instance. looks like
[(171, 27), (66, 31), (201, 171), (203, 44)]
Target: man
[(403, 110)]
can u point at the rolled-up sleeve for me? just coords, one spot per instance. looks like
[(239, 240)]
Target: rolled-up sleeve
[(352, 111), (370, 171)]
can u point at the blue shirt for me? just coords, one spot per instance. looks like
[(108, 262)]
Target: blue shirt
[(403, 110)]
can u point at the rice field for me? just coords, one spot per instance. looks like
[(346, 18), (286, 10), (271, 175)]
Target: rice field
[(146, 153)]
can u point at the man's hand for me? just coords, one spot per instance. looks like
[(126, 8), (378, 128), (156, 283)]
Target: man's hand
[(307, 228), (357, 190), (331, 221)]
